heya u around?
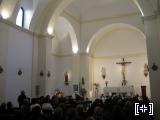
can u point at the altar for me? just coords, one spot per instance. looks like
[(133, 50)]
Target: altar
[(123, 90)]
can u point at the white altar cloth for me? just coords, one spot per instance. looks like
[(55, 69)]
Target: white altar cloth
[(129, 90)]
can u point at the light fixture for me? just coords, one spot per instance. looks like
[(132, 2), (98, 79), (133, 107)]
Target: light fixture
[(87, 50), (50, 30), (75, 49), (5, 14)]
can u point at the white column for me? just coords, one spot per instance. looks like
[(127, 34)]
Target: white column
[(34, 66), (85, 71), (41, 65), (153, 49)]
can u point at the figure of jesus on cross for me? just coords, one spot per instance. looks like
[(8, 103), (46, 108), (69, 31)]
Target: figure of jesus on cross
[(123, 71)]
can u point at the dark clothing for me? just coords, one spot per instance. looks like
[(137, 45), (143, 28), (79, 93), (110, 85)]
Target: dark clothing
[(21, 99)]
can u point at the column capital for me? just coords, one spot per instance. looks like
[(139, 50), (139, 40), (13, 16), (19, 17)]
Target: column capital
[(150, 17)]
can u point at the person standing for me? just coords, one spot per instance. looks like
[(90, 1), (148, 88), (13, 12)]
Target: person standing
[(21, 98)]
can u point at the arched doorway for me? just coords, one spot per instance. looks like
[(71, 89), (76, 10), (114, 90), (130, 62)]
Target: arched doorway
[(108, 46)]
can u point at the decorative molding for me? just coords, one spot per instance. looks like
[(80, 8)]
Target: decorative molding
[(71, 16), (20, 72), (60, 55), (100, 57), (11, 24), (110, 17), (103, 18), (119, 56), (151, 17), (70, 55)]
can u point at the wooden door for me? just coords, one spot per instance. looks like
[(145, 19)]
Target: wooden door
[(143, 90)]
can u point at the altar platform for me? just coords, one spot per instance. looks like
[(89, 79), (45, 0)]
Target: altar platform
[(123, 90)]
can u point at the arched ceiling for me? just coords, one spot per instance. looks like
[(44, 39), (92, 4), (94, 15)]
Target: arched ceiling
[(46, 11), (83, 7), (119, 42), (64, 30), (115, 30)]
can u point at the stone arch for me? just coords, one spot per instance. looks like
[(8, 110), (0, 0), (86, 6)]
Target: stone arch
[(144, 6), (69, 29), (105, 30), (46, 14), (8, 6)]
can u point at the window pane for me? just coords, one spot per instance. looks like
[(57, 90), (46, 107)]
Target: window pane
[(19, 20)]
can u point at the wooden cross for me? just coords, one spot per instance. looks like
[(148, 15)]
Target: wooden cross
[(123, 71)]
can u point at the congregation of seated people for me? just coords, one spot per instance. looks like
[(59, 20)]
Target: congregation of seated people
[(67, 108)]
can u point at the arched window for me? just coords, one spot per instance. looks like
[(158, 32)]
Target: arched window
[(20, 18)]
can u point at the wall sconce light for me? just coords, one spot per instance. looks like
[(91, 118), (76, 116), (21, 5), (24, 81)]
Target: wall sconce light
[(4, 14), (41, 73), (48, 74), (154, 67), (19, 72), (146, 70), (1, 70)]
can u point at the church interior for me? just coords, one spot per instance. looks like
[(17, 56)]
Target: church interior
[(91, 49)]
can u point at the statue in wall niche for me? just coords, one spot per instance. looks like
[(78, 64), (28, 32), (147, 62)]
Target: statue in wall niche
[(96, 85), (66, 79), (83, 82), (106, 83), (103, 70), (146, 70), (124, 82)]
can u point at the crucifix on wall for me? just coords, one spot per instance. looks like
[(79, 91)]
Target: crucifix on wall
[(123, 71)]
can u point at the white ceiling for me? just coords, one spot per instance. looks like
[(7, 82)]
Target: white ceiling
[(82, 6), (121, 42)]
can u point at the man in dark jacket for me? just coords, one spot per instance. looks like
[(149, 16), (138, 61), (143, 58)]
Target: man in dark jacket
[(21, 98)]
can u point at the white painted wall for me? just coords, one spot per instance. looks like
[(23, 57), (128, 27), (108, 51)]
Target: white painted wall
[(19, 57), (16, 53), (134, 73), (3, 59), (91, 28), (111, 48)]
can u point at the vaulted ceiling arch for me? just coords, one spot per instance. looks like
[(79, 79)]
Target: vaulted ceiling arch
[(101, 33), (46, 11)]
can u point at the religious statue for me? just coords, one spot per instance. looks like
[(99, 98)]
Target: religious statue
[(103, 70), (123, 71), (83, 82), (66, 80), (146, 70), (106, 82), (96, 89), (124, 82)]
